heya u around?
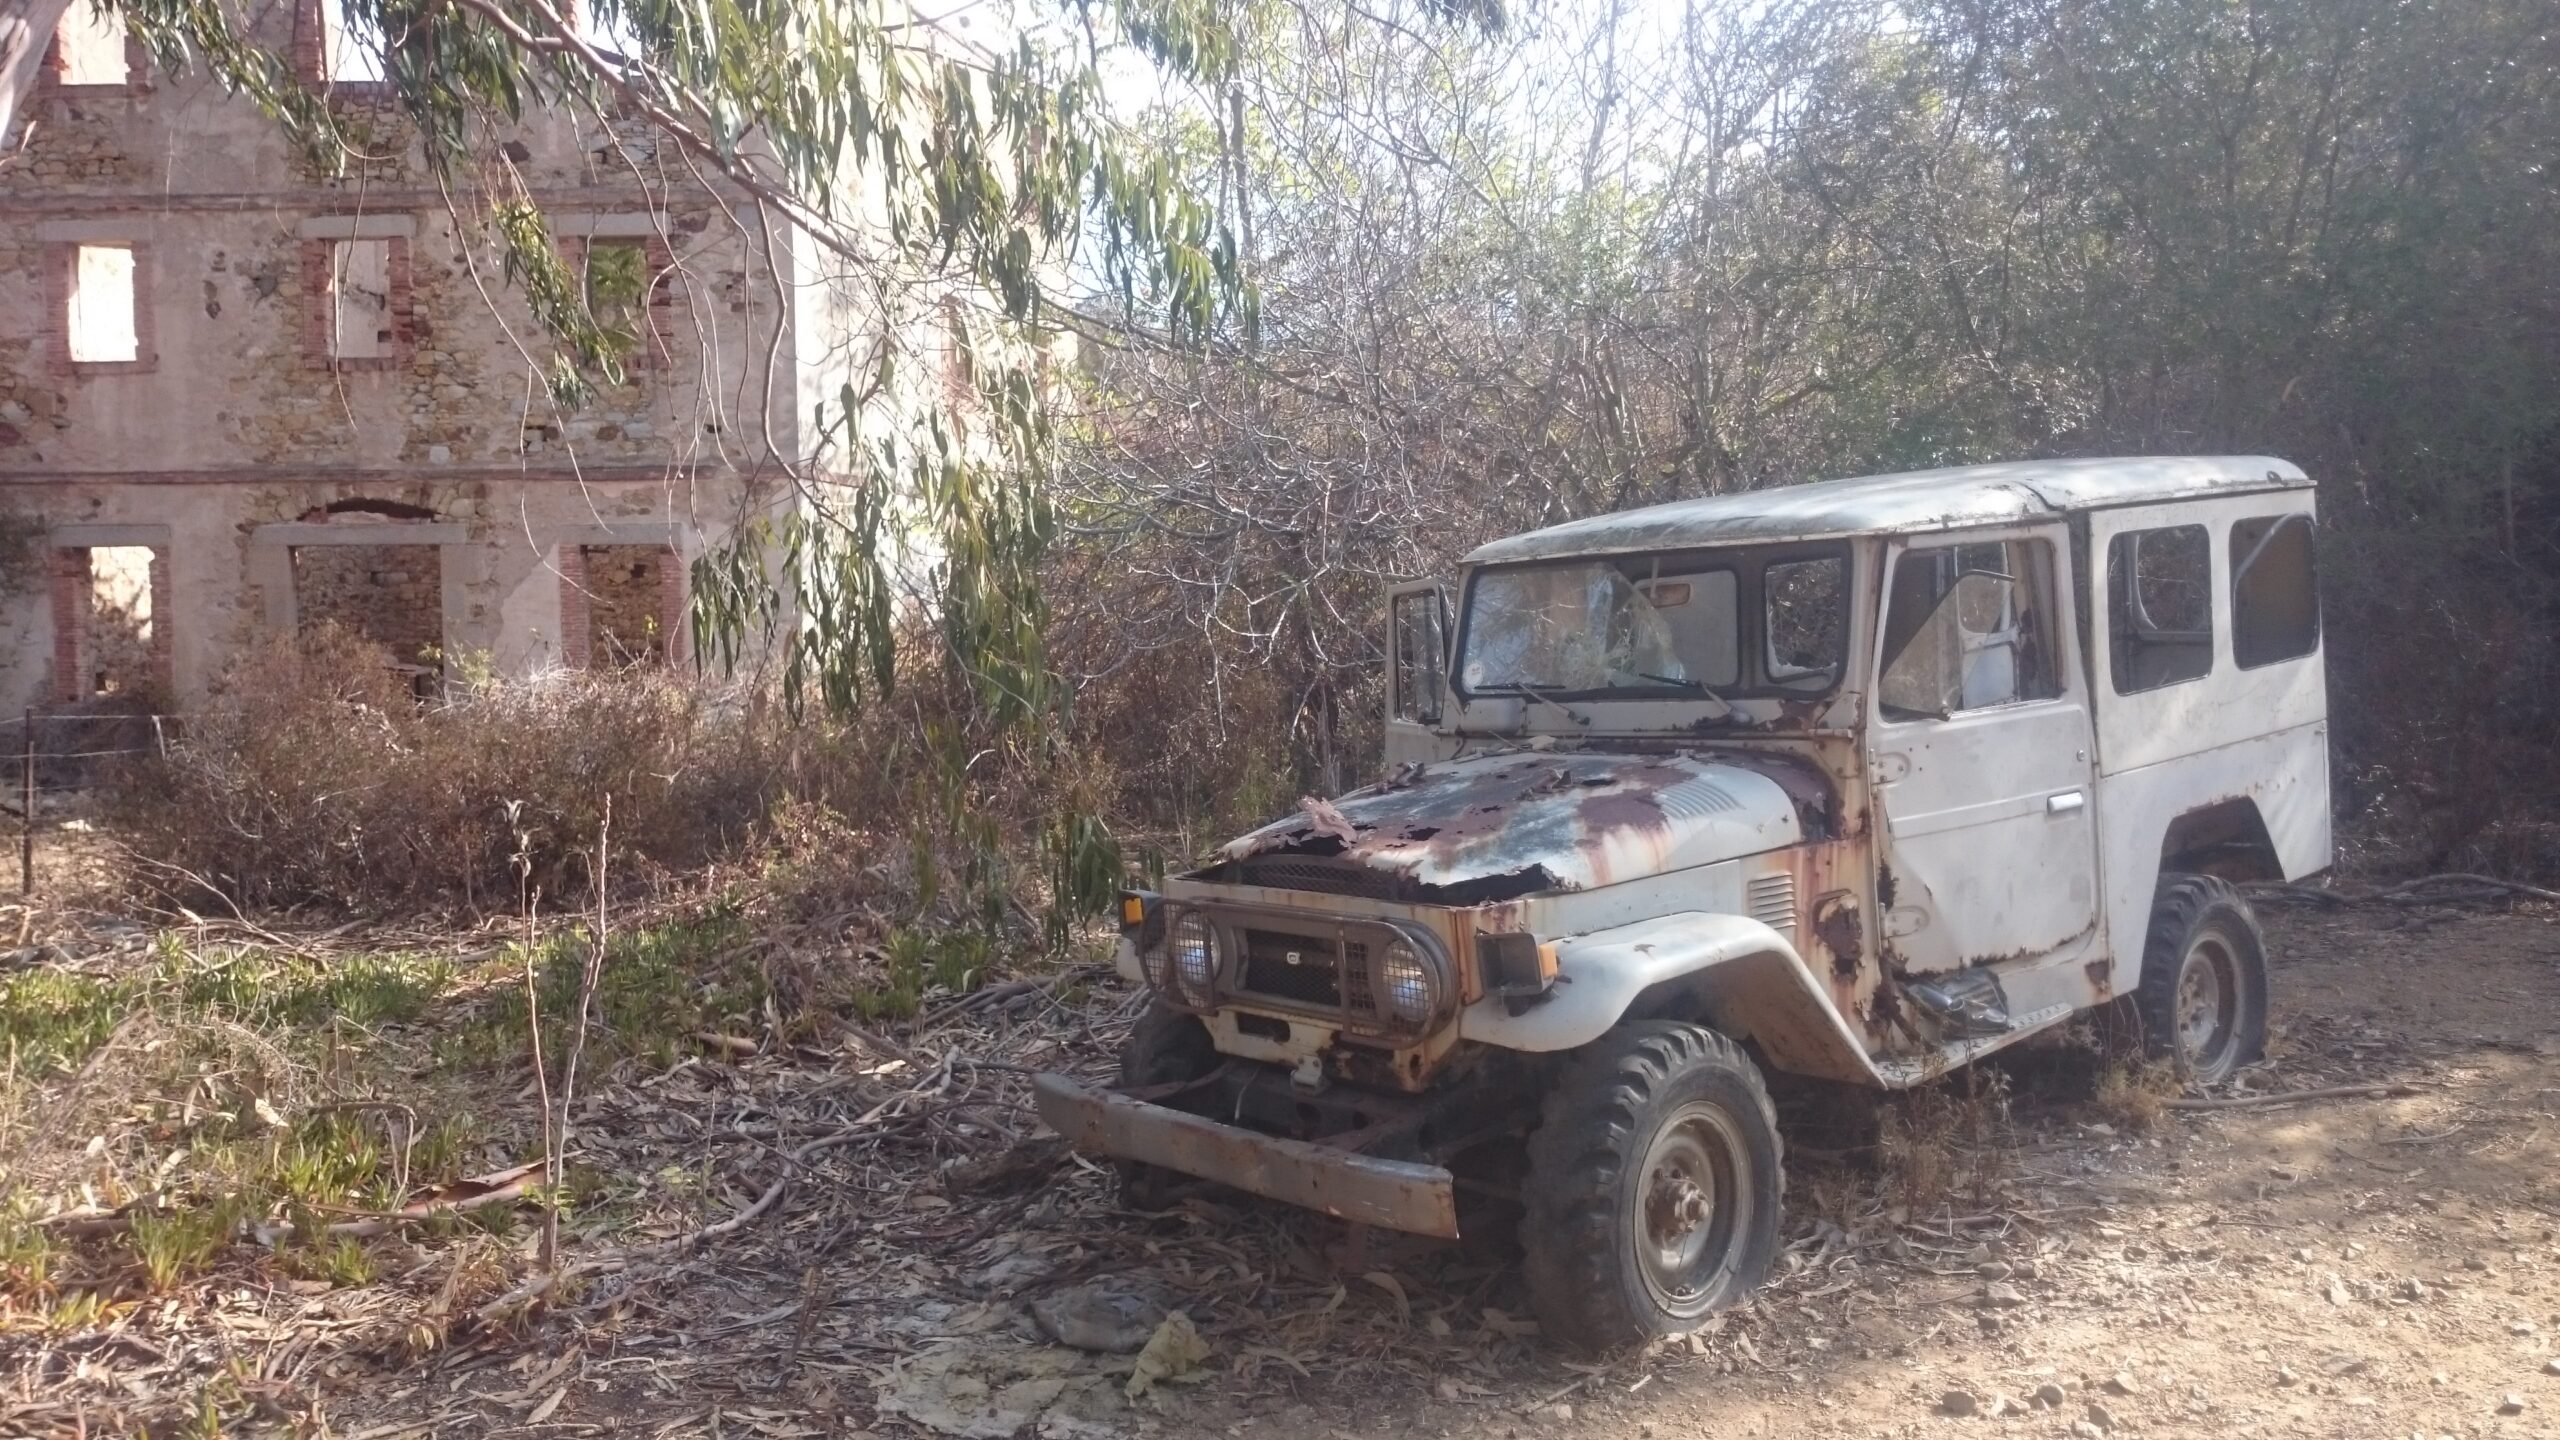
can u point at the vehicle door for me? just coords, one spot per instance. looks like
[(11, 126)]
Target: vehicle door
[(1979, 747), (1417, 672)]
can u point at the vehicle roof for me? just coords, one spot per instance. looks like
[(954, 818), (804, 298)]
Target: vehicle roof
[(1915, 500)]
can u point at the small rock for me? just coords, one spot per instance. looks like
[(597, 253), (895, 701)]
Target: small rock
[(1992, 1270), (1560, 1412), (2049, 1395), (2101, 1417), (2285, 1375), (2083, 1430), (2413, 1288), (2305, 1255), (1999, 1296), (1112, 1319), (2551, 1367), (2510, 1404), (2121, 1383), (1958, 1402), (2474, 1262), (2024, 1270)]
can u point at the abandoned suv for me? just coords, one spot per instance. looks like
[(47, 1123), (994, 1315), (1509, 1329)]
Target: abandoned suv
[(1856, 782)]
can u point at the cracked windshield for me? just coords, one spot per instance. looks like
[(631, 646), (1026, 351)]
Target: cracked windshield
[(1659, 626)]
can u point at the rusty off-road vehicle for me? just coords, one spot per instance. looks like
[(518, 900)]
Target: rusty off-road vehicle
[(1856, 781)]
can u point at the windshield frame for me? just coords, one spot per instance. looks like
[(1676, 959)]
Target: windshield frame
[(1749, 564)]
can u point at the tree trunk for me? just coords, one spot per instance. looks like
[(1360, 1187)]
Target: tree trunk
[(26, 33)]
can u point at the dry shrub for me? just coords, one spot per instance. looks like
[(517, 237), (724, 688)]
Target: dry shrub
[(1946, 1140), (2133, 1096), (312, 776)]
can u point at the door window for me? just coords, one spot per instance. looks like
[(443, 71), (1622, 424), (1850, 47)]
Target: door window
[(1418, 682), (2159, 607), (1968, 627), (2275, 603)]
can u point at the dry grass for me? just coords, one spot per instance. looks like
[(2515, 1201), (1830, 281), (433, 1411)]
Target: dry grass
[(2133, 1096)]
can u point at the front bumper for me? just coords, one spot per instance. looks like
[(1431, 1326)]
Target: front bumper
[(1394, 1194)]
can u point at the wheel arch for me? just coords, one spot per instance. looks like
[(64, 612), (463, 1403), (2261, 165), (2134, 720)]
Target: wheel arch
[(2226, 838), (1730, 973)]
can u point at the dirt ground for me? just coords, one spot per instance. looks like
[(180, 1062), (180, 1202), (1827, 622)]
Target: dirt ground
[(2385, 1266), (2365, 1266)]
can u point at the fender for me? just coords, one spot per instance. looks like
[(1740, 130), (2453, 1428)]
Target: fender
[(1732, 969)]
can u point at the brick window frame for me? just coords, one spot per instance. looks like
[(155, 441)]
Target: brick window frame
[(62, 262), (318, 306), (656, 350), (69, 578), (311, 59), (49, 79)]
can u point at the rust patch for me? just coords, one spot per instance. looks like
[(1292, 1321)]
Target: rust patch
[(2102, 979), (1837, 926)]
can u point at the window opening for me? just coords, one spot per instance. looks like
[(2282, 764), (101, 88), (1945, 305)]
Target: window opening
[(103, 318), (2275, 592), (391, 595), (91, 44), (630, 602), (2159, 607), (1969, 627), (350, 53), (617, 294), (360, 325)]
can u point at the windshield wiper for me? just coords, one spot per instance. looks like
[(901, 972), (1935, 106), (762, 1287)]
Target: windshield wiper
[(1685, 683), (1557, 705)]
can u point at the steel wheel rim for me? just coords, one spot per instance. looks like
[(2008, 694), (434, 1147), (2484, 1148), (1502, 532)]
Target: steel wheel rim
[(1690, 1207), (2207, 1005)]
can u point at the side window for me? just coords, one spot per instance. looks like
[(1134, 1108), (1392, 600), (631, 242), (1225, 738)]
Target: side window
[(1807, 620), (1968, 627), (2159, 607), (2275, 597), (1419, 684)]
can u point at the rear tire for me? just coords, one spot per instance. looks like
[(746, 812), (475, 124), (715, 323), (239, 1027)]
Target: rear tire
[(1165, 1047), (2202, 1000), (1654, 1187)]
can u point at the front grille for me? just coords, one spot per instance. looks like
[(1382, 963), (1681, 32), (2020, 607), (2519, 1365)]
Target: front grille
[(1301, 969)]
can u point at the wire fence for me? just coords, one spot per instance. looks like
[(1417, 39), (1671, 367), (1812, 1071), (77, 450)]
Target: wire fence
[(62, 752)]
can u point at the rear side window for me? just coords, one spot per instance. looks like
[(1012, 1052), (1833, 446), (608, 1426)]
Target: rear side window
[(2159, 607), (2275, 597)]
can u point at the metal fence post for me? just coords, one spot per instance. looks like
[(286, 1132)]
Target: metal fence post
[(27, 809)]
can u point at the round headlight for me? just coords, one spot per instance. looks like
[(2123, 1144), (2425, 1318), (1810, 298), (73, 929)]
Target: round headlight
[(1193, 944), (1413, 989)]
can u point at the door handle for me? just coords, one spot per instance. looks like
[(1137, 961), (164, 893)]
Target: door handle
[(2065, 803)]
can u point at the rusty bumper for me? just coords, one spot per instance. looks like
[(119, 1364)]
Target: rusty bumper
[(1396, 1194)]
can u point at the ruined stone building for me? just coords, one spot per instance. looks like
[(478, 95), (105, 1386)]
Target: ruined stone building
[(240, 395)]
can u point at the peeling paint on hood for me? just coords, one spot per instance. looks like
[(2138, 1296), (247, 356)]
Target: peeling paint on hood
[(1584, 819)]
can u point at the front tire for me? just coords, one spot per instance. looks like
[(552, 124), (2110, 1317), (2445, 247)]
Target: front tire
[(1165, 1047), (1654, 1187), (2202, 999)]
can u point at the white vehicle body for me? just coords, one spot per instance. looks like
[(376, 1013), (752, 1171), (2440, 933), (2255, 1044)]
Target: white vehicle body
[(2012, 697)]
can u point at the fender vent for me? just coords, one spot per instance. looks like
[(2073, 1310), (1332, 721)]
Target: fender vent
[(1771, 900)]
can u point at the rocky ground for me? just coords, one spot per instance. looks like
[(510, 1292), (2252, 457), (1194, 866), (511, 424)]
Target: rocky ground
[(2056, 1265)]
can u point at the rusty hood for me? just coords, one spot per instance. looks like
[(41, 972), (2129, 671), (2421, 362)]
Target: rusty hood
[(1571, 821)]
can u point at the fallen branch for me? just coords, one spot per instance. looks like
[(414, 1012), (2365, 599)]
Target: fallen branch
[(2482, 887), (2328, 1092)]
